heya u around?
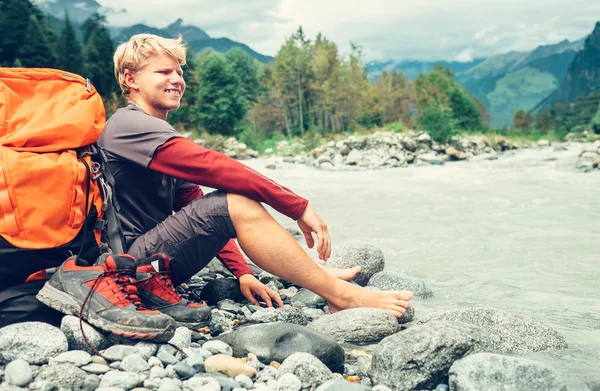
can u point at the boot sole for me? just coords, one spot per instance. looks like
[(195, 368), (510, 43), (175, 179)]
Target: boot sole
[(67, 304)]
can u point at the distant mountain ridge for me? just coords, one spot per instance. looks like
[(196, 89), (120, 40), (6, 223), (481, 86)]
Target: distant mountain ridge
[(412, 68), (582, 77), (197, 39), (519, 80)]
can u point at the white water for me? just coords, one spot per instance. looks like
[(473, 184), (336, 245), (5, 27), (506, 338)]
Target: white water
[(520, 233)]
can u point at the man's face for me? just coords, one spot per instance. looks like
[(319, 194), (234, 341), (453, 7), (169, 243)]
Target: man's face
[(159, 85)]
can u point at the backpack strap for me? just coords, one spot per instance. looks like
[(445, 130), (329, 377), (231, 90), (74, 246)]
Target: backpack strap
[(110, 206)]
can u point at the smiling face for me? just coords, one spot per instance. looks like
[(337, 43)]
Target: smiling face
[(158, 86)]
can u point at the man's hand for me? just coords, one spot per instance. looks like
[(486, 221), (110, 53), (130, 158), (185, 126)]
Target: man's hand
[(251, 287), (311, 222)]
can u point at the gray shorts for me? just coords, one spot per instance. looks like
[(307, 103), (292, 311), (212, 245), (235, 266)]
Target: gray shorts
[(191, 237)]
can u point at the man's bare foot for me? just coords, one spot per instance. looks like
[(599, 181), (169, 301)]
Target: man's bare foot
[(342, 274), (355, 296)]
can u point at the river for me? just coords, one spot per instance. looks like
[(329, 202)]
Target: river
[(519, 233)]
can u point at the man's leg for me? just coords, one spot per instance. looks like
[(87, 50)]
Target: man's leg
[(19, 304), (273, 249)]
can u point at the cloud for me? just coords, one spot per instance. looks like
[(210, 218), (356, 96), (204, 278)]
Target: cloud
[(398, 29)]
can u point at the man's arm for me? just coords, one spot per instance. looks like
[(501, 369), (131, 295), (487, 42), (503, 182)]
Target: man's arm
[(182, 158)]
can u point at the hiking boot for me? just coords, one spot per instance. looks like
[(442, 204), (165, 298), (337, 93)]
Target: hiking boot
[(157, 292), (105, 295)]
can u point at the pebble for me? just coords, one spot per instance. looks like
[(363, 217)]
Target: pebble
[(98, 369), (228, 365), (218, 347), (18, 373)]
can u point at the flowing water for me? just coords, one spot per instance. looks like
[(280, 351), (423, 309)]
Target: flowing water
[(519, 233)]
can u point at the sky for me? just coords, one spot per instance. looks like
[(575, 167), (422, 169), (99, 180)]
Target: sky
[(386, 29)]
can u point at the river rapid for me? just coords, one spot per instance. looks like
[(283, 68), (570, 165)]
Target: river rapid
[(520, 233)]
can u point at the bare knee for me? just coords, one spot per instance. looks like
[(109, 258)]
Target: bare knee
[(244, 209)]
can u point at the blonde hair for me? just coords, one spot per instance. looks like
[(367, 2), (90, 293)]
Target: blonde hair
[(132, 55)]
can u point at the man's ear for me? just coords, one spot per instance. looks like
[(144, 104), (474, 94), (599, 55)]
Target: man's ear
[(130, 80)]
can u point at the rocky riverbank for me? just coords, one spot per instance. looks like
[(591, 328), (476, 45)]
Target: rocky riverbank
[(300, 346), (389, 149)]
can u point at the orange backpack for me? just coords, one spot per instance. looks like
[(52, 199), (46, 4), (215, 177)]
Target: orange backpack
[(48, 121)]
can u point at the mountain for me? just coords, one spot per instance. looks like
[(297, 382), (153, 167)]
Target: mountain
[(412, 68), (198, 39), (582, 78), (518, 80), (79, 10)]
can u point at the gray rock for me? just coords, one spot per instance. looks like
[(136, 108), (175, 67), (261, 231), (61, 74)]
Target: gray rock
[(509, 333), (306, 298), (202, 383), (158, 372), (381, 387), (394, 281), (357, 325), (43, 385), (419, 357), (134, 363), (63, 375), (166, 357), (18, 373), (265, 315), (218, 347), (98, 369), (182, 337), (357, 253), (147, 349), (119, 352), (124, 380), (306, 367), (220, 323), (70, 327), (289, 382), (313, 313), (277, 341), (494, 372), (91, 382), (408, 315), (244, 381), (75, 357), (183, 370), (229, 306), (341, 385), (34, 342)]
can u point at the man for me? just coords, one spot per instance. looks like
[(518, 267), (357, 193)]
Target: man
[(157, 173)]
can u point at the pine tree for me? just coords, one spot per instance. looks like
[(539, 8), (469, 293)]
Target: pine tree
[(14, 18), (247, 70), (219, 101), (35, 51), (98, 54), (70, 57)]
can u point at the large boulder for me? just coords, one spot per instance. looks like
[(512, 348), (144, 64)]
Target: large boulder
[(221, 289), (277, 341), (395, 281), (420, 357), (356, 253), (357, 325), (509, 333), (34, 342), (495, 372)]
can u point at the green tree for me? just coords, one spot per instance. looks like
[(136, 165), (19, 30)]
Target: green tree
[(464, 109), (544, 121), (98, 54), (70, 57), (393, 95), (438, 121), (186, 117), (522, 120), (247, 70), (219, 100), (35, 51), (14, 20), (595, 124)]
